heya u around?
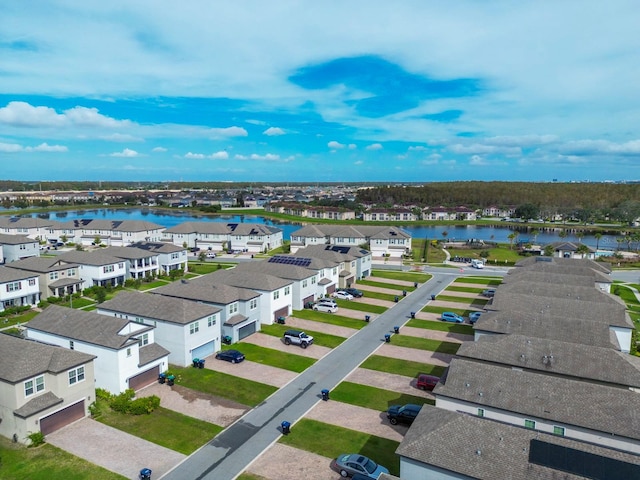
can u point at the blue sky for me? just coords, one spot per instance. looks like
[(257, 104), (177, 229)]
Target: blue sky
[(331, 91)]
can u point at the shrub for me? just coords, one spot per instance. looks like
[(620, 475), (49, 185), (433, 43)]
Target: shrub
[(95, 410), (144, 405), (36, 439), (121, 403), (102, 394)]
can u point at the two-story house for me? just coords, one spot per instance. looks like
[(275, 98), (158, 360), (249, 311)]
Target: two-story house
[(170, 257), (42, 387), (140, 263), (17, 247), (97, 268), (55, 276), (18, 288), (125, 350), (187, 328)]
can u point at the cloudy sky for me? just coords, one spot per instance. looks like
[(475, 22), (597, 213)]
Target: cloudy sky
[(316, 91)]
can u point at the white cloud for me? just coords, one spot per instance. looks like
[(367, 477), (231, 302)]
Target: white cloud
[(10, 147), (521, 140), (273, 132), (222, 155), (352, 146), (44, 147), (418, 148), (477, 160), (159, 149), (198, 156), (127, 152), (23, 114), (121, 137), (269, 157), (335, 145), (374, 146), (358, 162), (228, 132), (594, 147), (479, 149)]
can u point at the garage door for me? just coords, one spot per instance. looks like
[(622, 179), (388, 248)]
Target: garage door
[(331, 288), (145, 378), (247, 330), (306, 300), (203, 351), (283, 312), (64, 417)]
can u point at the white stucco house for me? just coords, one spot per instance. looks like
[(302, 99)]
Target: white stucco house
[(125, 350), (18, 288), (97, 268), (17, 247)]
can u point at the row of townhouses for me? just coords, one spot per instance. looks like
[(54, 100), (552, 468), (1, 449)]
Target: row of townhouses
[(20, 237), (132, 338), (547, 389)]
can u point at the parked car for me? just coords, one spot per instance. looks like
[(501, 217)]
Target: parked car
[(452, 317), (403, 413), (211, 254), (342, 295), (427, 382), (353, 291), (297, 338), (327, 307), (233, 356), (489, 292), (348, 465), (474, 316)]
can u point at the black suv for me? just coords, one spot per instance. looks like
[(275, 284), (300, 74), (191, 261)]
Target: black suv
[(403, 413), (297, 338)]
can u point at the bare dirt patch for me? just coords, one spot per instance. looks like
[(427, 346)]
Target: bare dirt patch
[(411, 354), (257, 372), (435, 335), (282, 462), (387, 381), (302, 324)]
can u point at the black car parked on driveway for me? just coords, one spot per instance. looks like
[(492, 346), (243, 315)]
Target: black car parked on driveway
[(403, 413), (233, 356)]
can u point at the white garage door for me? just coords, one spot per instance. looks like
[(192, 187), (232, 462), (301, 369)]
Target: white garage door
[(203, 351)]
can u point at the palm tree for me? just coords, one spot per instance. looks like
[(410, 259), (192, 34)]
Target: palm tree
[(535, 232), (582, 250), (579, 236), (512, 236), (563, 234), (597, 236)]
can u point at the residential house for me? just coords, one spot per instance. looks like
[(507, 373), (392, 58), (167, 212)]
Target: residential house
[(117, 233), (240, 309), (354, 263), (170, 257), (500, 212), (18, 288), (465, 213), (188, 329), (217, 236), (42, 387), (55, 277), (389, 215), (33, 228), (571, 250), (126, 353), (330, 213), (97, 268), (17, 247), (439, 214), (140, 263)]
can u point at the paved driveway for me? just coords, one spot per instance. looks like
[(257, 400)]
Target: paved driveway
[(113, 449)]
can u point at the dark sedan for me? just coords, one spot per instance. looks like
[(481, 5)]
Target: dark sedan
[(353, 291), (348, 465), (233, 356)]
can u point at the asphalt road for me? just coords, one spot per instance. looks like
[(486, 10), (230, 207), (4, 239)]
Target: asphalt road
[(227, 455)]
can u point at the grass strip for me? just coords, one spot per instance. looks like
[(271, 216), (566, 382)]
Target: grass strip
[(319, 338), (361, 307), (441, 326), (401, 367), (379, 296), (460, 311), (331, 440), (389, 286), (373, 397), (330, 318), (164, 427), (453, 288), (246, 392), (479, 280), (470, 301), (271, 357), (425, 344), (403, 276), (47, 463)]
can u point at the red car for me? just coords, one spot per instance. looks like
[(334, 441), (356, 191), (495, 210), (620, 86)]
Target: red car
[(427, 382)]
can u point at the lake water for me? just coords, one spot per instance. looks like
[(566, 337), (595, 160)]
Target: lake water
[(497, 233)]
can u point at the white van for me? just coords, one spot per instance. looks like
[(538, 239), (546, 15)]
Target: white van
[(475, 263)]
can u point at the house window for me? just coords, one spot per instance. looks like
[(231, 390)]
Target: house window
[(194, 328), (335, 271), (253, 304), (558, 431), (12, 287), (71, 345), (276, 294), (211, 321), (143, 339), (287, 290), (304, 284), (121, 265), (53, 275), (481, 412), (138, 320), (34, 385), (128, 352), (530, 424), (71, 272), (233, 308), (76, 375), (32, 282), (313, 281), (107, 269)]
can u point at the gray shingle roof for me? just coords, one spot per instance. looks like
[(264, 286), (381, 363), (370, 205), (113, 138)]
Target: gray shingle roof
[(83, 326), (597, 364), (243, 279), (518, 275), (41, 264), (158, 247), (114, 225), (350, 231), (22, 359), (219, 294), (219, 228), (158, 307), (559, 290), (151, 352), (568, 402), (487, 450), (127, 253), (95, 258), (566, 262), (37, 404), (23, 222), (290, 272), (575, 330), (15, 239), (11, 274)]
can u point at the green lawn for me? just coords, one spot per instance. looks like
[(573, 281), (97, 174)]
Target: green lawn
[(460, 311), (372, 397), (474, 302), (479, 280), (330, 318), (404, 276), (47, 463), (274, 358), (389, 286), (319, 338), (11, 320), (463, 289), (154, 284), (220, 384), (441, 326), (401, 367), (380, 296), (331, 441), (626, 294), (170, 429), (203, 268), (361, 307), (425, 344)]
